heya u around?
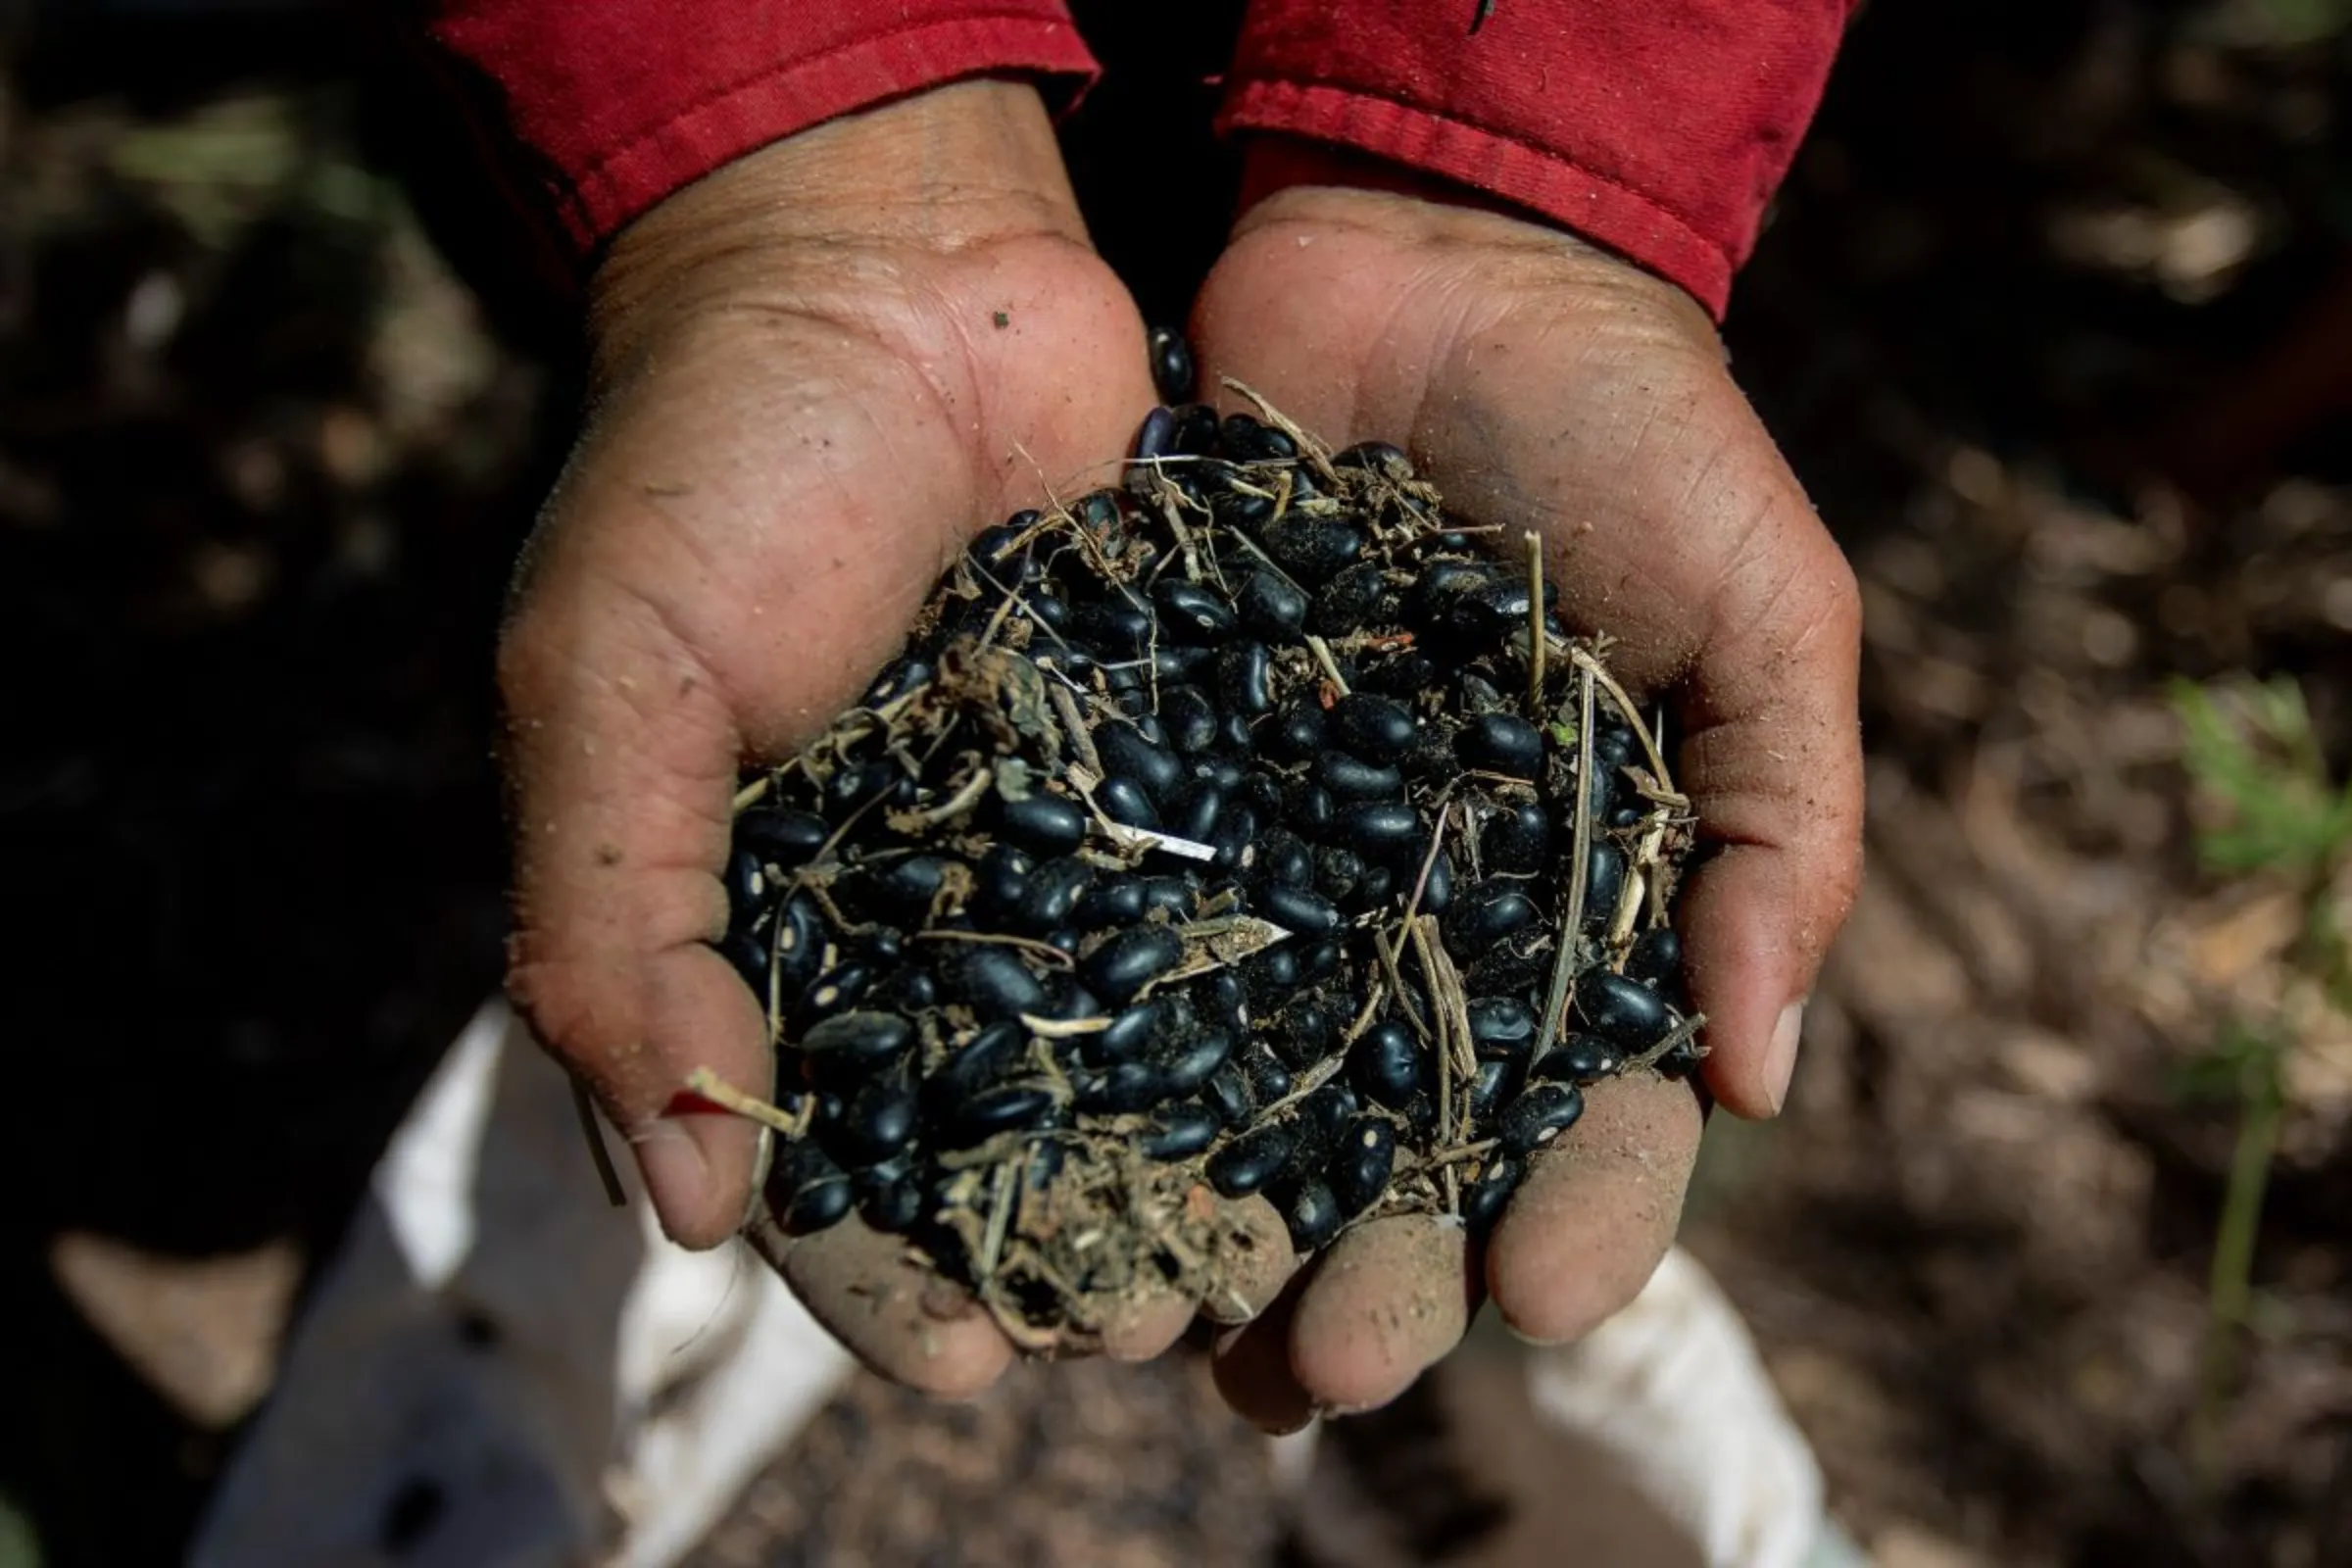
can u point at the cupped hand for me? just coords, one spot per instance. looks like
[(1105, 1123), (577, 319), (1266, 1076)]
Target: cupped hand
[(816, 373), (1543, 385)]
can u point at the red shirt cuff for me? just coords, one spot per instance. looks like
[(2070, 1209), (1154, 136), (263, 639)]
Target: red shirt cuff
[(1659, 129), (621, 103)]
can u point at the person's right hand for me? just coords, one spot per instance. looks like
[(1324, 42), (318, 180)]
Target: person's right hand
[(816, 373)]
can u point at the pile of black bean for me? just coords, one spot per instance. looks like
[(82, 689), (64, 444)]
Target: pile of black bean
[(1117, 866)]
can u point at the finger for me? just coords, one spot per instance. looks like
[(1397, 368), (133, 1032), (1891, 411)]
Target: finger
[(1253, 1260), (1146, 1324), (1388, 1301), (1251, 1368), (1598, 1210), (894, 1314)]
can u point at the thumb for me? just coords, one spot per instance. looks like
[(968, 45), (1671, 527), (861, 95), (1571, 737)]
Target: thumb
[(622, 756)]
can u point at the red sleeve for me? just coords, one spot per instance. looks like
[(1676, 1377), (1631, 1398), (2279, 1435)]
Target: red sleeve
[(1657, 128), (621, 102)]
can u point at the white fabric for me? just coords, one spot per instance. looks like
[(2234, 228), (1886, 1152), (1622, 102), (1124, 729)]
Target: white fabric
[(567, 1386), (1673, 1387)]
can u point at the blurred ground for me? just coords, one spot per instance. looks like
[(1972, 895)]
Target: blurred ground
[(2055, 319)]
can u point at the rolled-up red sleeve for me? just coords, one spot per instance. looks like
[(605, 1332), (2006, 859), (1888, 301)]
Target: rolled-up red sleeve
[(1658, 127), (619, 102)]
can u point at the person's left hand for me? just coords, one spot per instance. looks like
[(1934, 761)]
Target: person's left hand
[(1543, 385)]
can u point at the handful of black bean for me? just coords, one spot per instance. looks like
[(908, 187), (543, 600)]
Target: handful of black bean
[(1248, 828)]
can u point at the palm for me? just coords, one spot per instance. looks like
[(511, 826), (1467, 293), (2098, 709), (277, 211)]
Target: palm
[(1544, 386)]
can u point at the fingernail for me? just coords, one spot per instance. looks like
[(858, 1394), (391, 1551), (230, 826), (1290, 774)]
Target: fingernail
[(1780, 1057), (677, 1176)]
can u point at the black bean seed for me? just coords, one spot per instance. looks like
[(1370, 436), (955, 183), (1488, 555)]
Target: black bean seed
[(747, 883), (895, 1206), (1516, 842), (1050, 898), (1174, 661), (1297, 733), (1195, 429), (876, 1123), (991, 980), (1250, 1160), (1386, 1062), (782, 838), (1539, 1115), (1379, 729), (1044, 824), (1269, 1079), (1494, 1081), (1243, 678), (818, 1205), (1130, 1086), (1502, 1026), (748, 953), (863, 783), (1001, 880), (1194, 812), (1377, 457), (1190, 1066), (1354, 598), (843, 986), (857, 1041), (1227, 1092), (1487, 914), (1352, 778), (978, 1064), (1314, 550), (1263, 791), (913, 882), (1271, 606), (1441, 583), (1367, 1156), (1066, 1000), (1129, 1033), (1123, 801), (1656, 959), (1604, 881), (1155, 437), (1223, 999), (1114, 627), (1270, 975), (1190, 613), (1297, 910), (1122, 965), (1338, 870), (1581, 1060), (1113, 899), (1624, 1011), (1190, 716), (1376, 886), (1008, 1107), (1614, 744), (1098, 510), (1183, 1131), (1487, 1197), (1303, 1033), (1501, 743), (1285, 860), (1308, 809), (1236, 833), (1001, 554), (1311, 1215), (1127, 753), (1171, 360), (1383, 829), (1437, 891)]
